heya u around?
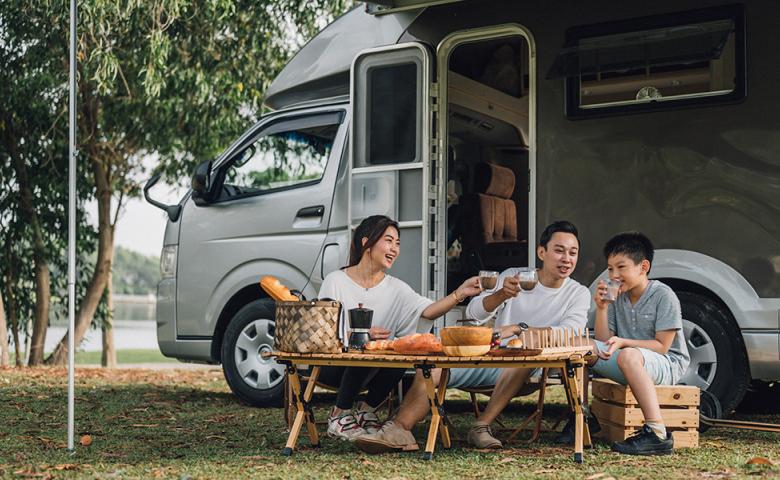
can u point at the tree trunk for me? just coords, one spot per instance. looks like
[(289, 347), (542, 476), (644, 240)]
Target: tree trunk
[(100, 275), (12, 317), (42, 275), (108, 358), (4, 354)]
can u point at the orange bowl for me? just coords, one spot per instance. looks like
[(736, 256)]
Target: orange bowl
[(466, 336)]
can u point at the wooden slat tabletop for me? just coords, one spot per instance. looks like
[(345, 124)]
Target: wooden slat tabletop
[(427, 359)]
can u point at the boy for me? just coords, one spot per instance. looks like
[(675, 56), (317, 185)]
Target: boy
[(639, 337)]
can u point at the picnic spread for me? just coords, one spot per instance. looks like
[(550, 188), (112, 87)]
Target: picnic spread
[(571, 359)]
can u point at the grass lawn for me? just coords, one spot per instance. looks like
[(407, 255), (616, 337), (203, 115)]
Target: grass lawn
[(122, 357), (186, 424)]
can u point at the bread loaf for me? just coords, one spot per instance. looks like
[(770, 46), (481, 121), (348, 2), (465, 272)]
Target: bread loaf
[(274, 288), (417, 342)]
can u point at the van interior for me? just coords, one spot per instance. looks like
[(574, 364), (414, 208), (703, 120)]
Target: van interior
[(487, 157)]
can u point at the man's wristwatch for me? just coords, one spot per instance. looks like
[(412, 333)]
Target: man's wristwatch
[(522, 326)]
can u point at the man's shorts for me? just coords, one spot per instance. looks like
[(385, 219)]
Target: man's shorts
[(657, 366), (478, 377)]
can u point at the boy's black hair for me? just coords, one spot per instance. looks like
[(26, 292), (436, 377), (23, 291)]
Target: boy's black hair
[(558, 226), (634, 245)]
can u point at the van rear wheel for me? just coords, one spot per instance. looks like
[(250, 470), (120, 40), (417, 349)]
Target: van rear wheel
[(718, 361), (255, 380)]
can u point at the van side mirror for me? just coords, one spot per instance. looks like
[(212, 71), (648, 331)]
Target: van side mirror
[(201, 184)]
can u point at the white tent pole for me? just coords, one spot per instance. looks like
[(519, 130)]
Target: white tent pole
[(72, 153)]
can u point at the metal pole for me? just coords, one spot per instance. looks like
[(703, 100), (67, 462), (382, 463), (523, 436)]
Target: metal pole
[(72, 153)]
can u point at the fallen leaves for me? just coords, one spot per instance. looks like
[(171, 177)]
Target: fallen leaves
[(759, 461)]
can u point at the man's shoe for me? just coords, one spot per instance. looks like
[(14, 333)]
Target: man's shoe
[(367, 419), (390, 437), (480, 436), (344, 426), (645, 442), (567, 434)]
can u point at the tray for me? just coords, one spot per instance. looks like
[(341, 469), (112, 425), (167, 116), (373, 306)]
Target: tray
[(393, 352), (514, 352)]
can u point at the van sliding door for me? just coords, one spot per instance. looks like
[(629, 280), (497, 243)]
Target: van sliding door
[(391, 169)]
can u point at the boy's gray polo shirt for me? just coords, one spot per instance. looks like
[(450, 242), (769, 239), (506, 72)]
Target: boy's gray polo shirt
[(658, 309)]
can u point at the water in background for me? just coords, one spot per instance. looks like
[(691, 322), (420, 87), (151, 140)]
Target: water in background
[(134, 327)]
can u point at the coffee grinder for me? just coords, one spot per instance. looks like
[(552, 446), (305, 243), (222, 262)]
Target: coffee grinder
[(359, 325)]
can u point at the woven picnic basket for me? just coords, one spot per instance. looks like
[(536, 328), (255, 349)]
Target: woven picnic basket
[(308, 327)]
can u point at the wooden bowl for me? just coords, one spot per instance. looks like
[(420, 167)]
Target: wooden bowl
[(466, 336), (466, 350)]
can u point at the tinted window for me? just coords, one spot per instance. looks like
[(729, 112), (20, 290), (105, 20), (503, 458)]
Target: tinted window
[(392, 124), (282, 159), (690, 58)]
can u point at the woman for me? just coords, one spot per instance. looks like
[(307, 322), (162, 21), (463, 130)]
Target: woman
[(397, 311)]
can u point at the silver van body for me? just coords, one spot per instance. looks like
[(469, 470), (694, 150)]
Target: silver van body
[(699, 177)]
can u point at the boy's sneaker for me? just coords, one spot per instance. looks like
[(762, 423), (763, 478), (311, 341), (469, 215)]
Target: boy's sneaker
[(389, 438), (367, 419), (344, 426), (480, 436), (567, 434), (645, 442)]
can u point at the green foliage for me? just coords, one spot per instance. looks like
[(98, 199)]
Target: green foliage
[(180, 78), (134, 273)]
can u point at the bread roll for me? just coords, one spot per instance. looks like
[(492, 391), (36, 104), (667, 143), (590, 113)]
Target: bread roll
[(515, 343)]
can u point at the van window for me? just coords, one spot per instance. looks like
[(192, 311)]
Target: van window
[(654, 62), (283, 159), (393, 114)]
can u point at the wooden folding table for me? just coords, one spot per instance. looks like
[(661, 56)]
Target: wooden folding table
[(571, 362)]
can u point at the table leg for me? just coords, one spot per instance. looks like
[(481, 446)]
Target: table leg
[(311, 425), (575, 402), (303, 409), (445, 427), (581, 375), (437, 412)]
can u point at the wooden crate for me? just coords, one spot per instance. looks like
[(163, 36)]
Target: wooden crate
[(620, 416)]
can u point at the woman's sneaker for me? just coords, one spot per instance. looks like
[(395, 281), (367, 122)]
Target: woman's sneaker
[(344, 425), (645, 442), (367, 419)]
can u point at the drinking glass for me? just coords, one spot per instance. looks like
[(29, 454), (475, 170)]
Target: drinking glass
[(488, 279), (613, 290), (528, 278)]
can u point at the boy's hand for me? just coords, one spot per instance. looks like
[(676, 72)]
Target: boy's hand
[(614, 343), (601, 292)]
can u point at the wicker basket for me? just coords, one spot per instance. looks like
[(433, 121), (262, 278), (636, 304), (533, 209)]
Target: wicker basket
[(308, 327)]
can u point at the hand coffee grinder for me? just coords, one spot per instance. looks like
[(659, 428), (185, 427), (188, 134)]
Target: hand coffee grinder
[(359, 325)]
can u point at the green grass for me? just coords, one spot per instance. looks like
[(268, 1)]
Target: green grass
[(123, 357), (186, 424)]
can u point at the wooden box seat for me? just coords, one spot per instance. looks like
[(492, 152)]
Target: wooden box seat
[(618, 411)]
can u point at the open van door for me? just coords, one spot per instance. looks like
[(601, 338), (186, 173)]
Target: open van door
[(394, 170)]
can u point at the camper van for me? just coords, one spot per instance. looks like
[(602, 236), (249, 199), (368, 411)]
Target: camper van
[(652, 116)]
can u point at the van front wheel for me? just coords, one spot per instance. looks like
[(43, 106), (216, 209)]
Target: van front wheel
[(255, 380)]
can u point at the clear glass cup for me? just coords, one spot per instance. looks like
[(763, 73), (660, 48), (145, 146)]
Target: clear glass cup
[(528, 278), (488, 280), (613, 290)]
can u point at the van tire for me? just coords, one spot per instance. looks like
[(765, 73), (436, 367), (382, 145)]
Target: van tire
[(709, 326), (254, 380)]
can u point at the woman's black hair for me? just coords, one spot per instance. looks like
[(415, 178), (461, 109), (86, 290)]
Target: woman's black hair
[(371, 228)]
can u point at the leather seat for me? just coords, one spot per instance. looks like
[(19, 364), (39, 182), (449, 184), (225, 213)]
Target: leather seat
[(489, 221)]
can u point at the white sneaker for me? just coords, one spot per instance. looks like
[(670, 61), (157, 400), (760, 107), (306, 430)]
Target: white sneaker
[(367, 418), (344, 426)]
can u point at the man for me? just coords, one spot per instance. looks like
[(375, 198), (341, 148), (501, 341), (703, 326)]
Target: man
[(557, 302)]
